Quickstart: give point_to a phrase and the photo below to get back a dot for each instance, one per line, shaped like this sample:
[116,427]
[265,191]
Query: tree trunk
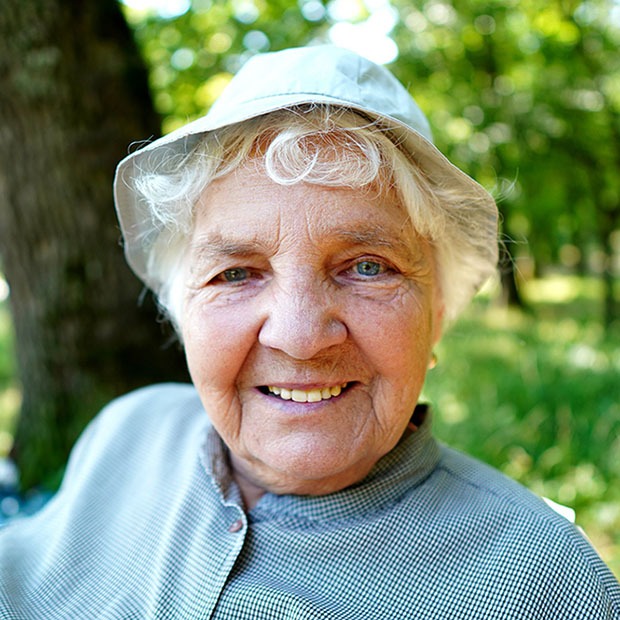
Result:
[73,94]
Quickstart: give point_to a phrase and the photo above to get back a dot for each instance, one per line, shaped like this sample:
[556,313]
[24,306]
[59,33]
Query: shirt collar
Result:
[407,465]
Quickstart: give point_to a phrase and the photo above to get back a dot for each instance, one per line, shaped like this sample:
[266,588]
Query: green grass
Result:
[535,394]
[10,395]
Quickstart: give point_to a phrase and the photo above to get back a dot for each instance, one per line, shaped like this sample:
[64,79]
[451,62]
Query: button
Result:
[236,526]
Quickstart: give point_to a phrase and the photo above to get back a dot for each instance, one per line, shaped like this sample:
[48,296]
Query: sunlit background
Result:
[363,27]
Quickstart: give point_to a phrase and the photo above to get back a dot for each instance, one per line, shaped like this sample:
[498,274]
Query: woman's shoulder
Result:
[530,533]
[485,490]
[141,427]
[154,406]
[159,398]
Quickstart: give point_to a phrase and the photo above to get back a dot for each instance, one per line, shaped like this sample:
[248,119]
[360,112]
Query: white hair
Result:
[325,146]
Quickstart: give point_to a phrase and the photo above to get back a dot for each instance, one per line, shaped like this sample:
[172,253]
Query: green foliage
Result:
[193,56]
[526,97]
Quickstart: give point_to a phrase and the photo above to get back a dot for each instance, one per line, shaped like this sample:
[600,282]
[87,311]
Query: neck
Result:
[250,492]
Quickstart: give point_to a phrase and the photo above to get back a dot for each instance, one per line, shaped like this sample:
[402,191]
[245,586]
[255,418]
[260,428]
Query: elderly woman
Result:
[309,243]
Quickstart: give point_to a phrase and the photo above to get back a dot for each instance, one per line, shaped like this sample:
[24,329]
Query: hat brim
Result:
[134,216]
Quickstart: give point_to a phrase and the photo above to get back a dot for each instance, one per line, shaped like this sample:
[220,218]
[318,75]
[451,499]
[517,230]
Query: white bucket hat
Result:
[322,74]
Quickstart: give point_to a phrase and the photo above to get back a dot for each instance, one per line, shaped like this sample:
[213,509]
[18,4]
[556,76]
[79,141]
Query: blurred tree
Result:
[592,104]
[527,97]
[73,94]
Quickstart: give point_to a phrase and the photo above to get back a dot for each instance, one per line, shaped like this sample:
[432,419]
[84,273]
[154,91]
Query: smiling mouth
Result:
[305,396]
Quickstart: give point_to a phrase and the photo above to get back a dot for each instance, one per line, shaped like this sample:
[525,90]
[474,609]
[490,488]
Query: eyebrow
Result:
[215,246]
[374,236]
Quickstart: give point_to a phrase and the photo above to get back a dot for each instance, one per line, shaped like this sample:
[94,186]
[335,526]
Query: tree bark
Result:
[73,94]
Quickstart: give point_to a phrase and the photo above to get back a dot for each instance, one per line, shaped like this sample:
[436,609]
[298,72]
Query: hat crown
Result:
[321,73]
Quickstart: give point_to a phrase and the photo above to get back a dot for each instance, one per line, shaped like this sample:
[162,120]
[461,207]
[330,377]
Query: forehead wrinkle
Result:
[375,236]
[215,246]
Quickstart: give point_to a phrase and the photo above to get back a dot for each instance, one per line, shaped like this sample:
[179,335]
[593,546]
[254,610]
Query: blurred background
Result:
[523,95]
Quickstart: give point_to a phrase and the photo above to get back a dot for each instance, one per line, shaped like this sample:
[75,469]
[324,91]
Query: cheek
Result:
[400,357]
[396,337]
[217,342]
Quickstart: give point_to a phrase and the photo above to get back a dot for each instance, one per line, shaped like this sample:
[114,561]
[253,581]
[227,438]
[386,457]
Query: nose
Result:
[302,320]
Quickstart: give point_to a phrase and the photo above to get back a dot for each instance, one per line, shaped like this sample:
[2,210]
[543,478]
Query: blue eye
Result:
[237,274]
[368,268]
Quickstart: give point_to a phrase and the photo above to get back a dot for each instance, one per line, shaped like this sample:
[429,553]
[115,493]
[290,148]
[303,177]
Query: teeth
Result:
[335,391]
[307,396]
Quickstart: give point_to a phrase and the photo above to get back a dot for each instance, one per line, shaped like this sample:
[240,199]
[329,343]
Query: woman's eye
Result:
[236,274]
[368,268]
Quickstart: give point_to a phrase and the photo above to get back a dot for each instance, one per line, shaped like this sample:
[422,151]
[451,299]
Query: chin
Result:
[318,475]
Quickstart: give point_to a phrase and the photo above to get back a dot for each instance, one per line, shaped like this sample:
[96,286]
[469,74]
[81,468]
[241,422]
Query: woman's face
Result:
[309,319]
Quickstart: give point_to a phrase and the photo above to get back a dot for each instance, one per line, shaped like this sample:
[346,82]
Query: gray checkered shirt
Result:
[148,524]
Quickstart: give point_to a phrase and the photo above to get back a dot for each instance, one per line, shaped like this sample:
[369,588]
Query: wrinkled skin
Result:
[306,288]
